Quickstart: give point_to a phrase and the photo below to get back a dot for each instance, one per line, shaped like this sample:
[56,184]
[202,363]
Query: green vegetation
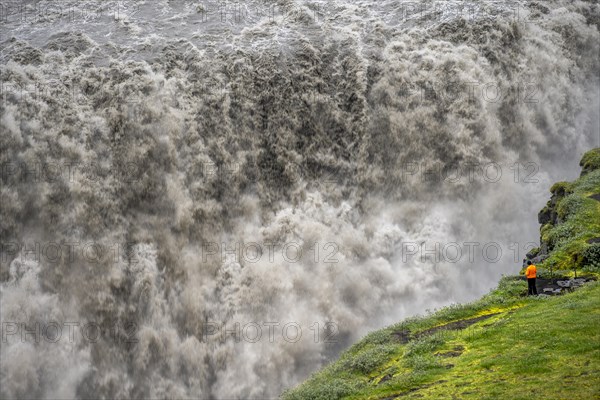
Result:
[578,220]
[502,346]
[505,345]
[560,188]
[590,161]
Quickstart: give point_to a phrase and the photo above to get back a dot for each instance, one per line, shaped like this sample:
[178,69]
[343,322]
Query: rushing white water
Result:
[182,129]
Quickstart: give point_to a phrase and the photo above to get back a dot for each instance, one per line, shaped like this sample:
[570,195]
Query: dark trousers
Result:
[532,290]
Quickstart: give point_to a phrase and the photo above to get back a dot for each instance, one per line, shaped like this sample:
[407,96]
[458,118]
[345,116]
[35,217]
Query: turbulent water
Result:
[179,177]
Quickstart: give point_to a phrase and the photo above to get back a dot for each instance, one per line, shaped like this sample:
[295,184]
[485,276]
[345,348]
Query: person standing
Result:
[531,273]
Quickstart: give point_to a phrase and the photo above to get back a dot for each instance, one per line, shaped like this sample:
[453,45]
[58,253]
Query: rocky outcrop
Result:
[590,161]
[550,217]
[549,214]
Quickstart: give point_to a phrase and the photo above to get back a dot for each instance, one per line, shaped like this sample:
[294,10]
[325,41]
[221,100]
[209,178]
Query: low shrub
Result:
[590,257]
[367,360]
[570,205]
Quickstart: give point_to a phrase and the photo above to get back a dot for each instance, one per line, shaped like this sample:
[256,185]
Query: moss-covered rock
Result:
[560,189]
[545,215]
[590,161]
[549,214]
[533,253]
[570,221]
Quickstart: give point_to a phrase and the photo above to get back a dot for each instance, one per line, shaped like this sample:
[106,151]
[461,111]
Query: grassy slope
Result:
[580,221]
[531,348]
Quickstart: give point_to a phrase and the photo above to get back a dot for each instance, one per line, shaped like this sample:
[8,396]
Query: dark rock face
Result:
[532,254]
[545,216]
[539,259]
[549,215]
[536,255]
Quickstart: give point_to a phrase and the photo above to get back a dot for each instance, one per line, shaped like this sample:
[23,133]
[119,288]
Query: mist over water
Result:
[340,138]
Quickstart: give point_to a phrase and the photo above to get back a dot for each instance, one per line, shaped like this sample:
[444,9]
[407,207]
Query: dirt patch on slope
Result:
[454,326]
[406,393]
[404,336]
[455,352]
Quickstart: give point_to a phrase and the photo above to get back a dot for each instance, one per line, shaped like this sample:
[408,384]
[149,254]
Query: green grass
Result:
[532,348]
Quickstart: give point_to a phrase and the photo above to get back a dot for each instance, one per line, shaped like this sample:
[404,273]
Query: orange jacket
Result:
[530,271]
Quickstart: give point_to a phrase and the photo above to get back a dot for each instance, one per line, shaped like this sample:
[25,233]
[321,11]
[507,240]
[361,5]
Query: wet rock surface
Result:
[560,285]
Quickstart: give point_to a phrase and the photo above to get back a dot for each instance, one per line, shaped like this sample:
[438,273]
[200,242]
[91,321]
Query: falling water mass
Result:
[211,200]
